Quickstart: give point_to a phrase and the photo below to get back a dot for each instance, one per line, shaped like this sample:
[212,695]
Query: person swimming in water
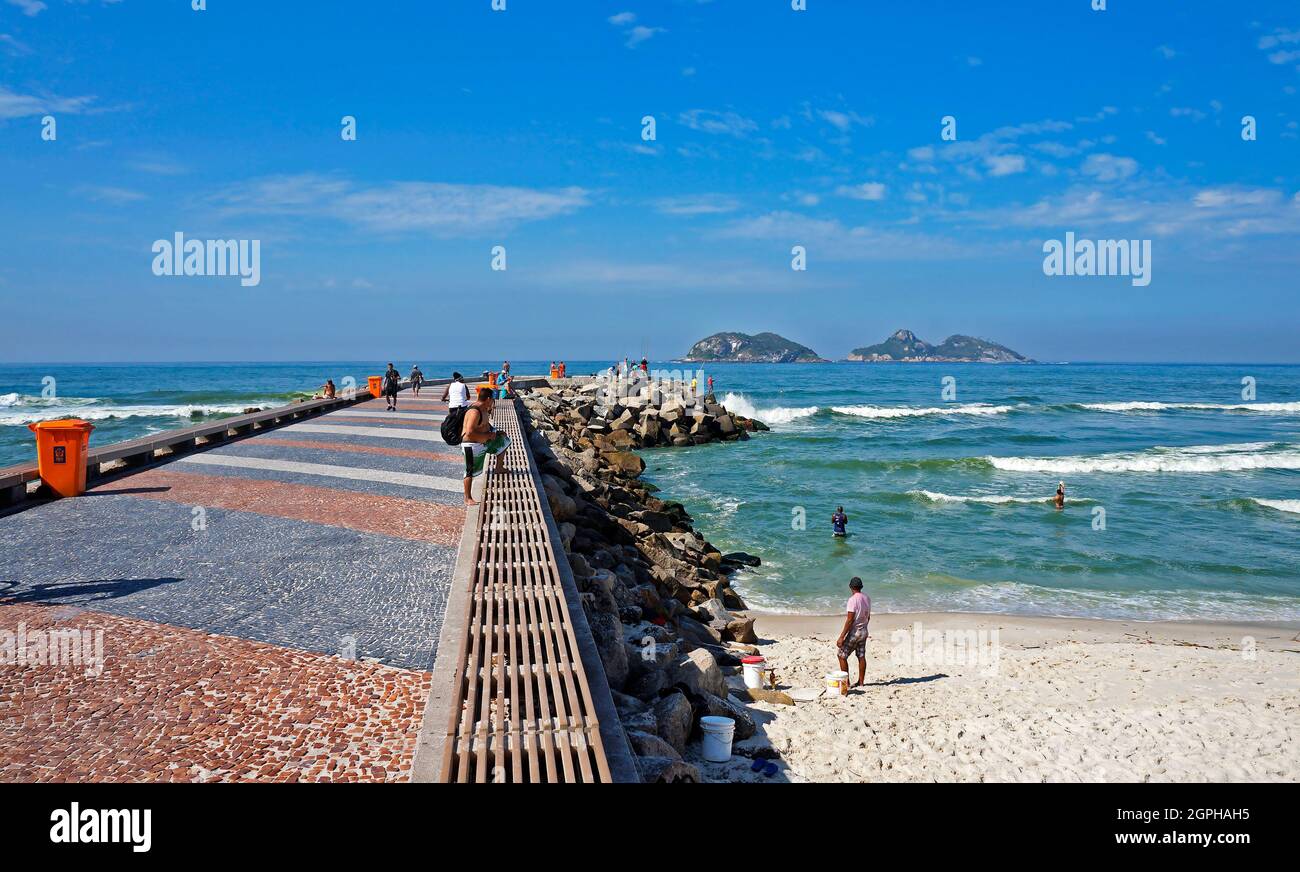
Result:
[1060,495]
[839,523]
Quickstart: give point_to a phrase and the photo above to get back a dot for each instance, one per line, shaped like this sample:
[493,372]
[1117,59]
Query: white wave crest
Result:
[911,412]
[1195,458]
[739,404]
[992,499]
[1145,406]
[1289,506]
[33,414]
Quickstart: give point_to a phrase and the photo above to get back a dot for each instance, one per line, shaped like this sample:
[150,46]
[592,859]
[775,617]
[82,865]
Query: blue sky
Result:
[523,128]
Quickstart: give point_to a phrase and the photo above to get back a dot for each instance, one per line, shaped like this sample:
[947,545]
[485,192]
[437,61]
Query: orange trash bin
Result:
[61,448]
[376,383]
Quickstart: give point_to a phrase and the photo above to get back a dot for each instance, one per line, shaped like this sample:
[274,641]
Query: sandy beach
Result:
[1045,699]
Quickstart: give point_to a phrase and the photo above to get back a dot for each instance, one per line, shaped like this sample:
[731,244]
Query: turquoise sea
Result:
[949,497]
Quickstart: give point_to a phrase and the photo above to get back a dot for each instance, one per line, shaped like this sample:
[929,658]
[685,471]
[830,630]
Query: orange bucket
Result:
[61,448]
[376,383]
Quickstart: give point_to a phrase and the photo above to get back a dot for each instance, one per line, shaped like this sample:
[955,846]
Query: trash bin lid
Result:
[62,424]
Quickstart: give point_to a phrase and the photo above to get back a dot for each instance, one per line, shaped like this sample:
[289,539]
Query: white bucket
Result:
[717,737]
[837,682]
[754,673]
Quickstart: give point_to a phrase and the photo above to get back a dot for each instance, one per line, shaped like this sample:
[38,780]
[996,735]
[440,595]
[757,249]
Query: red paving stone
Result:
[174,704]
[448,456]
[368,513]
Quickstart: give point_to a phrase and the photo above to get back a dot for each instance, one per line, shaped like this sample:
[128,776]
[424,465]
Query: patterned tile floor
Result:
[226,582]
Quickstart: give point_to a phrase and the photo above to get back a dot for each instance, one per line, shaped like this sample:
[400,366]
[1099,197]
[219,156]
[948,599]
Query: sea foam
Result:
[739,404]
[1193,458]
[912,412]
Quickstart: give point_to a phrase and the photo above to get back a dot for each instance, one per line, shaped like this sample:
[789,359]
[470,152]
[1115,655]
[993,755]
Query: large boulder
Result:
[667,770]
[700,673]
[624,463]
[675,719]
[650,745]
[607,631]
[720,706]
[741,630]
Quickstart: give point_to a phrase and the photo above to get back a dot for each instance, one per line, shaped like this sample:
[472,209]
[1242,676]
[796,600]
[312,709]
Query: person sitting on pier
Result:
[391,385]
[329,389]
[478,440]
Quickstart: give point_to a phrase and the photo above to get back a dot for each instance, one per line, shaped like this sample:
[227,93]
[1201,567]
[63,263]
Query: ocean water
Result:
[125,401]
[949,500]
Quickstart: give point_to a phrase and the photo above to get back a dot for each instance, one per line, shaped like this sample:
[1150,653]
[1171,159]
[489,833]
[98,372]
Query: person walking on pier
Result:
[417,379]
[392,383]
[478,440]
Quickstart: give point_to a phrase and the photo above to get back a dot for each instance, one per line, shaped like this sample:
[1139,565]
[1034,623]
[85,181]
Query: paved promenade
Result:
[226,583]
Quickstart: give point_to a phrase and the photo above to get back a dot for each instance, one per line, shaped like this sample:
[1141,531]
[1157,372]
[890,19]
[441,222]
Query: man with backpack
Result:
[471,428]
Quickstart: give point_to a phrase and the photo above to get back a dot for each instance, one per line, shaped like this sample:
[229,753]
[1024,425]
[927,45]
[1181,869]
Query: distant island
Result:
[905,347]
[743,348]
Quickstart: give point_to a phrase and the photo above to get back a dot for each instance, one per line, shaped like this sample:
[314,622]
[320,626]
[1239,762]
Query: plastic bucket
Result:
[837,682]
[753,667]
[717,737]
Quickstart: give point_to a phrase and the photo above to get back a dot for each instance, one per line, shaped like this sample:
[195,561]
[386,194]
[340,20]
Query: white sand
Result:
[1066,700]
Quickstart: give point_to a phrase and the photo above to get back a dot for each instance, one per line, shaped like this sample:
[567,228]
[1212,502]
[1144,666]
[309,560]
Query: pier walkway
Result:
[225,581]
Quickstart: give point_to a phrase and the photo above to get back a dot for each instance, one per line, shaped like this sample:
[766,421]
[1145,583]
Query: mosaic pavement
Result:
[226,583]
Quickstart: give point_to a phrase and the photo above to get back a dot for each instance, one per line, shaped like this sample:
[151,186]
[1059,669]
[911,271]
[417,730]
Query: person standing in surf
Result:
[1060,495]
[839,523]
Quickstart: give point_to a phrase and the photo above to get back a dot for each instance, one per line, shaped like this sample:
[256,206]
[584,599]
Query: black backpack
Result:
[454,425]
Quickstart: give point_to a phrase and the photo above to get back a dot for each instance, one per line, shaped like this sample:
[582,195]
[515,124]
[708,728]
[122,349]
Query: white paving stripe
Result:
[411,479]
[388,416]
[429,435]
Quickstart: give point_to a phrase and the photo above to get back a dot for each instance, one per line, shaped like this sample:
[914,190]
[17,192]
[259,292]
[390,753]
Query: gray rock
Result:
[699,673]
[666,770]
[650,745]
[720,706]
[675,719]
[608,634]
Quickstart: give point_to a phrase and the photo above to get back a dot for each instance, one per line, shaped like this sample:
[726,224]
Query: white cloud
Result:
[1279,37]
[13,46]
[833,241]
[438,208]
[1109,167]
[641,33]
[1187,112]
[1166,52]
[697,204]
[622,18]
[30,8]
[709,121]
[866,191]
[15,105]
[1156,138]
[843,121]
[1004,164]
[110,194]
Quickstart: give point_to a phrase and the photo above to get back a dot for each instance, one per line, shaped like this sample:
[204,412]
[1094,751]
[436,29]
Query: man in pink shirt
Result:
[853,638]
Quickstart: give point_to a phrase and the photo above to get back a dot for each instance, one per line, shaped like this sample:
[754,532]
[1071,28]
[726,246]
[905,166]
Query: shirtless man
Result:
[478,440]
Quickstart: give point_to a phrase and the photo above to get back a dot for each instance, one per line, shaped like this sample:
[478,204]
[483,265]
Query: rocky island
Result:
[743,348]
[905,347]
